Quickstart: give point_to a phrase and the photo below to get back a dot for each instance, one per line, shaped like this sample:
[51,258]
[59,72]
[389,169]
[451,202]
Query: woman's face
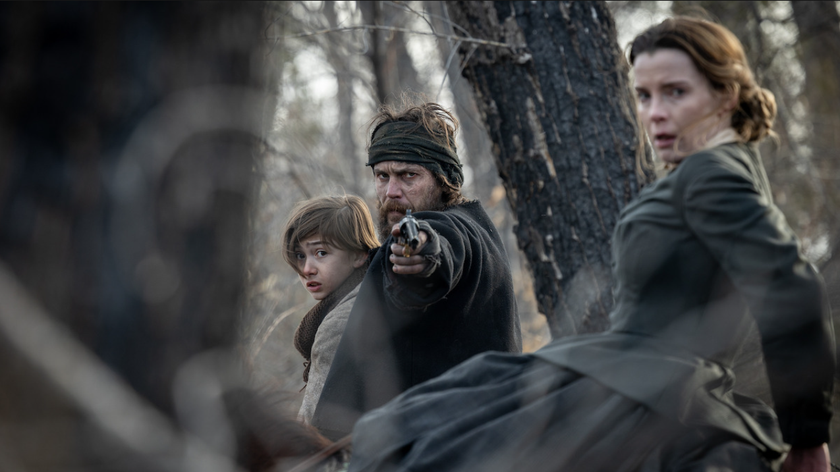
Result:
[678,107]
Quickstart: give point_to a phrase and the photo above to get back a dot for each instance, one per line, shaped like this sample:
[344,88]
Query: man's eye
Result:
[410,174]
[382,176]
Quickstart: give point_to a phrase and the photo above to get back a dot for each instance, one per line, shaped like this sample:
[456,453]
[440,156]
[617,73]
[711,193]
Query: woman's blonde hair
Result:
[342,222]
[719,56]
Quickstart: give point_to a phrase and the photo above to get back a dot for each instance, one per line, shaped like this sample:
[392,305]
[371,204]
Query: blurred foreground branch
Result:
[93,389]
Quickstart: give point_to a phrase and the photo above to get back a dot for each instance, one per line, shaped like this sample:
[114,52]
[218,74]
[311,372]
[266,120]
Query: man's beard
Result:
[432,204]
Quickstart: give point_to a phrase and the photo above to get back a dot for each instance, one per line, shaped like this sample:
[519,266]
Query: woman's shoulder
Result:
[726,158]
[736,163]
[719,176]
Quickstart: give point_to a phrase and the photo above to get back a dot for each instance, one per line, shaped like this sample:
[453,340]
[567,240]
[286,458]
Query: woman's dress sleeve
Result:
[727,205]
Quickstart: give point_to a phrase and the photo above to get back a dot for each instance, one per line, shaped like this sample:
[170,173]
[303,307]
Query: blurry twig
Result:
[403,30]
[454,49]
[92,388]
[275,20]
[466,60]
[323,455]
[446,69]
[448,21]
[296,177]
[271,328]
[405,6]
[291,172]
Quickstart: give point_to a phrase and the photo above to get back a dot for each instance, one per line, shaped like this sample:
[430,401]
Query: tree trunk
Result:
[128,131]
[819,43]
[339,60]
[392,66]
[478,150]
[559,111]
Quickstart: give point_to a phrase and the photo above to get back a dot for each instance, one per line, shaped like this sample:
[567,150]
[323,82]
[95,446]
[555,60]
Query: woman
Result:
[694,255]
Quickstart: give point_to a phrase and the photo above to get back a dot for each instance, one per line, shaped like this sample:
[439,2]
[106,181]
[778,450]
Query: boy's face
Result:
[323,268]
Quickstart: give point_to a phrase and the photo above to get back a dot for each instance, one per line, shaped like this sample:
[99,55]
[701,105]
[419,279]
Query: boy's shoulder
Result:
[349,298]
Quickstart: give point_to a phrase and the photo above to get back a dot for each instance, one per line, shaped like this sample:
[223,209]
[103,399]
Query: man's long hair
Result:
[438,123]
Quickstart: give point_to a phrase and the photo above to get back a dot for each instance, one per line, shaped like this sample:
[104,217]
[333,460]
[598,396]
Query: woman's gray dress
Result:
[694,255]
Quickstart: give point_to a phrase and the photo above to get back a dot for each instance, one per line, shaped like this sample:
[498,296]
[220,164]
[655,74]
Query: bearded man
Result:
[419,313]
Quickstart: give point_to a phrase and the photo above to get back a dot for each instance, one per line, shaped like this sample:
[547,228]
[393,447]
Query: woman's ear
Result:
[728,102]
[360,259]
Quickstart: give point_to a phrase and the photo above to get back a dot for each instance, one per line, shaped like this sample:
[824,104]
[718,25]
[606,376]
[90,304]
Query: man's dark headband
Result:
[410,142]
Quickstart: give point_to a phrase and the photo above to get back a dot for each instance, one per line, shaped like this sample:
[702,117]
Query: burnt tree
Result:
[561,118]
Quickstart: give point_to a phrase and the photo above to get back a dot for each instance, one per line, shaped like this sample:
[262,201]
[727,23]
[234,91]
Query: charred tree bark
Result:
[477,152]
[559,111]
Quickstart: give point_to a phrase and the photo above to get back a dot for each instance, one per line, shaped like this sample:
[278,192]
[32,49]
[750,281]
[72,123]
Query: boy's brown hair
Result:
[342,222]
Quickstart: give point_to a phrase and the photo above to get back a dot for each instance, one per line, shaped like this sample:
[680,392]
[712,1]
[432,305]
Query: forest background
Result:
[152,153]
[333,73]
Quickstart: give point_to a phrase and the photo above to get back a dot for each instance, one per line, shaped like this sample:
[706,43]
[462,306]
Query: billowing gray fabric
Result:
[505,413]
[695,255]
[323,351]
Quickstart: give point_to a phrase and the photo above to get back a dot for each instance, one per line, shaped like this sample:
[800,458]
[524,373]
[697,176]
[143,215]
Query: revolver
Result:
[409,236]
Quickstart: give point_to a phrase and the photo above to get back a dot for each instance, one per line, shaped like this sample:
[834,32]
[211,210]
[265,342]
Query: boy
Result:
[326,241]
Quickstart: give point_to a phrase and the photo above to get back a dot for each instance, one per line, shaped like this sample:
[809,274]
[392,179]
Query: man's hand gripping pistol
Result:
[409,236]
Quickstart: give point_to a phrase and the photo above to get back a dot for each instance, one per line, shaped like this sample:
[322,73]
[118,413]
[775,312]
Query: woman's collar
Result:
[724,136]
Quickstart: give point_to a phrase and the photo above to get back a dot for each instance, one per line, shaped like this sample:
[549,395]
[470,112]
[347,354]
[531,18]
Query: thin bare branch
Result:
[453,50]
[449,22]
[271,328]
[446,69]
[321,456]
[466,60]
[404,30]
[93,389]
[405,6]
